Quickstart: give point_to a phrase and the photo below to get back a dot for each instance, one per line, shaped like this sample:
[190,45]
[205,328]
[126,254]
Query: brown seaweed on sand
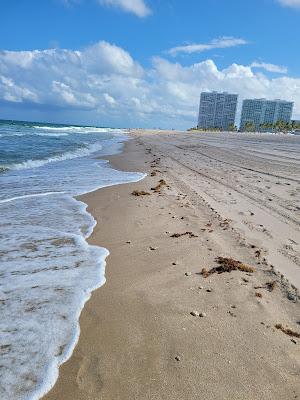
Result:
[270,286]
[160,185]
[140,193]
[287,331]
[155,172]
[227,265]
[177,235]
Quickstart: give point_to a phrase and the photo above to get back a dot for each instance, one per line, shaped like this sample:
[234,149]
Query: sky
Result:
[143,63]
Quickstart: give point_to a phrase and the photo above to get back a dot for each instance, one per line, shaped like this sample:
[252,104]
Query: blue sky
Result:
[143,62]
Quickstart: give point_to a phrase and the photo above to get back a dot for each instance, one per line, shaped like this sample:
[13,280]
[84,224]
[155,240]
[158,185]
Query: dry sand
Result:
[239,196]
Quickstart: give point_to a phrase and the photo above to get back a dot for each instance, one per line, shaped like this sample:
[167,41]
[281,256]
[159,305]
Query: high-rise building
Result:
[261,111]
[217,110]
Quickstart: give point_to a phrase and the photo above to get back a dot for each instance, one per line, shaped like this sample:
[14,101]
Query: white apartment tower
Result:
[262,111]
[217,110]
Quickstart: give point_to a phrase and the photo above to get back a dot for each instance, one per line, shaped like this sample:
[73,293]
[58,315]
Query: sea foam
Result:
[48,270]
[81,152]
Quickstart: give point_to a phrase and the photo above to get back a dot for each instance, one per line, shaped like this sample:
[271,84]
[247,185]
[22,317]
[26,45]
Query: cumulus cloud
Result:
[290,3]
[103,57]
[270,67]
[220,43]
[66,78]
[104,83]
[137,7]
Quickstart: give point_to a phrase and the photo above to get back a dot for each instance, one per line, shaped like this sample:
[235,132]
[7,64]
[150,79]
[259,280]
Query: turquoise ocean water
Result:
[47,268]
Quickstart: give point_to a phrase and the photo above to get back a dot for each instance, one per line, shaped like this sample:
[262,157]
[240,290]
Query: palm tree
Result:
[281,126]
[276,126]
[263,126]
[294,125]
[231,127]
[249,126]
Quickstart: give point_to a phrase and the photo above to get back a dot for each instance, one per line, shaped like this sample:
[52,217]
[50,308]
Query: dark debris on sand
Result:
[287,331]
[227,265]
[140,193]
[177,235]
[160,185]
[270,286]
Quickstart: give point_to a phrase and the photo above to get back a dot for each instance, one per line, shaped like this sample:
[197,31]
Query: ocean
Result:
[47,268]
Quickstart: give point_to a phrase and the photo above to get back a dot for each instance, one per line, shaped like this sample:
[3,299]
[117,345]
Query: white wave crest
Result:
[82,152]
[80,129]
[51,134]
[14,134]
[26,196]
[35,134]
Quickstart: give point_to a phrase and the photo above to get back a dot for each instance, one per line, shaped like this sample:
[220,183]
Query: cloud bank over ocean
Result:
[103,82]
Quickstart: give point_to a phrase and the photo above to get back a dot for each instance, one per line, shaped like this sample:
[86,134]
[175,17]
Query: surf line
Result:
[29,195]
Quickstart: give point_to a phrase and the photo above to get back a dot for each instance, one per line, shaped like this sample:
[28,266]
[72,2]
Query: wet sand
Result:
[231,196]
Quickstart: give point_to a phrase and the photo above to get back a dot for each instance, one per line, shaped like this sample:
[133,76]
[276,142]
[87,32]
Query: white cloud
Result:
[104,84]
[69,3]
[270,67]
[137,7]
[104,57]
[16,93]
[290,3]
[220,43]
[109,99]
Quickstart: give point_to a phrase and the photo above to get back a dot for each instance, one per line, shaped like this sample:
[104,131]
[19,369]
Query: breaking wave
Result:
[82,152]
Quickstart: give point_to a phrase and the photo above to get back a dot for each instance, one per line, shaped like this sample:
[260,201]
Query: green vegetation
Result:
[231,128]
[249,127]
[279,126]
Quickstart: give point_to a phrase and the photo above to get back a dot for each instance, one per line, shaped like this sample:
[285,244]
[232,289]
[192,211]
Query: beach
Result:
[171,322]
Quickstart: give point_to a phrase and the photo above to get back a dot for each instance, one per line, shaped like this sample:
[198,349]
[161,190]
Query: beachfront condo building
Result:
[256,112]
[217,110]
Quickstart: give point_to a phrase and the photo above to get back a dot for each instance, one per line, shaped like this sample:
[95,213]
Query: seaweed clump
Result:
[177,235]
[270,286]
[287,331]
[160,185]
[140,193]
[227,265]
[155,172]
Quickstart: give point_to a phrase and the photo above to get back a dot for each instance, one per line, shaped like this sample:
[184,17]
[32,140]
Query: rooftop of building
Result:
[274,100]
[215,92]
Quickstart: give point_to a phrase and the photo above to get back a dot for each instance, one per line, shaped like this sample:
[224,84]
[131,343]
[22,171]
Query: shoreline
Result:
[135,326]
[45,387]
[43,295]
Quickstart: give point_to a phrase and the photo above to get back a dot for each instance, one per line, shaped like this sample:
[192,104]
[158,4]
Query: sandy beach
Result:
[169,323]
